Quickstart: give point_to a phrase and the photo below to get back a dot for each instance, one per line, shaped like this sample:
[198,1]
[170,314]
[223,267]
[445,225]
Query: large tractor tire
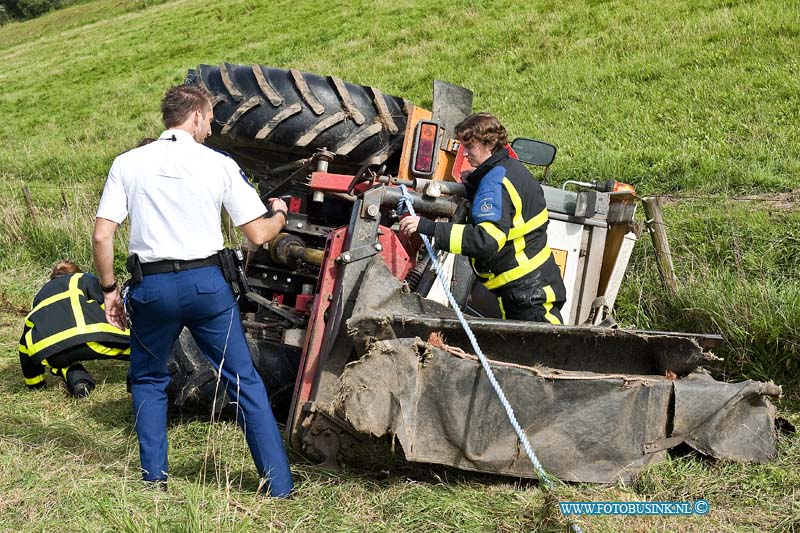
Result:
[267,116]
[195,390]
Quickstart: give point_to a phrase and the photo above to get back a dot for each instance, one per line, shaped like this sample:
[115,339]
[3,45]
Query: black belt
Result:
[175,265]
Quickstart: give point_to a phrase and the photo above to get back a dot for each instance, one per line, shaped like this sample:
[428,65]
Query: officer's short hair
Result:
[64,268]
[182,100]
[483,128]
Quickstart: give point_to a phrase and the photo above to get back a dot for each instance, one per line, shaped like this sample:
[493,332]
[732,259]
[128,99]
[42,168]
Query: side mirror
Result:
[534,152]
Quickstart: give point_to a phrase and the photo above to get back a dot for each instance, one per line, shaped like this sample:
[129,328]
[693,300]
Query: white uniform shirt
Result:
[173,192]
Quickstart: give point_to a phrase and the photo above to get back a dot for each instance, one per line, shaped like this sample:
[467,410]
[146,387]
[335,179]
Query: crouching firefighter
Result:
[506,232]
[66,325]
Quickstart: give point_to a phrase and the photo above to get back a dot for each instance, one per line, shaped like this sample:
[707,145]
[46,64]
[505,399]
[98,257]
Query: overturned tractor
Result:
[358,347]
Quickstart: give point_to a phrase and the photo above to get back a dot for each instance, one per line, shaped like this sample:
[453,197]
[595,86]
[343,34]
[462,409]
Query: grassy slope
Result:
[684,97]
[667,95]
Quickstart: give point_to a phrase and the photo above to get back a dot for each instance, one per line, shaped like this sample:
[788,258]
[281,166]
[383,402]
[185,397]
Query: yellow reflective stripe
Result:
[549,294]
[22,349]
[456,237]
[549,316]
[479,274]
[34,381]
[73,332]
[534,223]
[105,350]
[516,201]
[71,290]
[502,309]
[75,300]
[525,266]
[548,305]
[47,301]
[519,250]
[495,233]
[29,340]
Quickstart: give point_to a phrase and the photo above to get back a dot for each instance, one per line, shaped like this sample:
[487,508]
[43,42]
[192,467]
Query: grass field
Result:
[694,100]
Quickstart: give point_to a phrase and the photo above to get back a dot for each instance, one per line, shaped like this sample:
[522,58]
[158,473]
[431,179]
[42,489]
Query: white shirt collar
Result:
[178,134]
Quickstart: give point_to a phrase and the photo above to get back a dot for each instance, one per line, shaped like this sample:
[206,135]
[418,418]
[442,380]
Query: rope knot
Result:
[406,203]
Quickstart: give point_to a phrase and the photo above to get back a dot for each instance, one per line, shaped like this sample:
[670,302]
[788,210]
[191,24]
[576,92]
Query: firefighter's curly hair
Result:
[64,268]
[483,128]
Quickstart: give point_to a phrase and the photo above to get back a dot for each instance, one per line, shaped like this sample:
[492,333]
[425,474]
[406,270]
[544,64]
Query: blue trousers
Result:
[201,300]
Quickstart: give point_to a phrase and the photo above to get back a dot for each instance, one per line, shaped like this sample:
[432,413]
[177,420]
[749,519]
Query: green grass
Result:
[667,96]
[738,273]
[69,465]
[690,98]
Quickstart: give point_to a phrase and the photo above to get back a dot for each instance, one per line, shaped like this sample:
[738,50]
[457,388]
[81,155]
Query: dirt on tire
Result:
[268,114]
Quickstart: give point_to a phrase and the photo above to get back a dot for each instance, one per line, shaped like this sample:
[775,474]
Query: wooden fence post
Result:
[655,225]
[29,201]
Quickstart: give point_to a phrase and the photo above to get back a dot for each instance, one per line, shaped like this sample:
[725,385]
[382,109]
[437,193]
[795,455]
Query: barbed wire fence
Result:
[26,192]
[715,238]
[86,192]
[722,247]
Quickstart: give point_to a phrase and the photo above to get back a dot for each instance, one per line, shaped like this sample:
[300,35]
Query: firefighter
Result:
[66,325]
[506,232]
[173,189]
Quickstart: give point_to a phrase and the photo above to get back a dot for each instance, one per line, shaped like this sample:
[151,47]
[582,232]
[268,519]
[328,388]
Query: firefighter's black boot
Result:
[79,382]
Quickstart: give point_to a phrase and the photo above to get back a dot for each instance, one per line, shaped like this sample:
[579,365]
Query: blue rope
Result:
[526,445]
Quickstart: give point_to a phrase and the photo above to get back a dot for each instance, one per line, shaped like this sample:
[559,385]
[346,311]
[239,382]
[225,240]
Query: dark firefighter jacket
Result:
[506,233]
[67,311]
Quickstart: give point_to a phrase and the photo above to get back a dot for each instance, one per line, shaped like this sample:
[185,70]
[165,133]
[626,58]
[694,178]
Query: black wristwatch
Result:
[283,212]
[110,288]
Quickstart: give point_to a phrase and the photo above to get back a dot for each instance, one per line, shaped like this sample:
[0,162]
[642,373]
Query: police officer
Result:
[66,325]
[173,190]
[506,232]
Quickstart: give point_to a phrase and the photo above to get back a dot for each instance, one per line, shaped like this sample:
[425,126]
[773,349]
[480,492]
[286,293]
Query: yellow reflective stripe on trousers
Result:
[58,372]
[548,305]
[495,233]
[34,381]
[532,224]
[29,341]
[526,266]
[456,237]
[72,332]
[105,350]
[516,201]
[75,300]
